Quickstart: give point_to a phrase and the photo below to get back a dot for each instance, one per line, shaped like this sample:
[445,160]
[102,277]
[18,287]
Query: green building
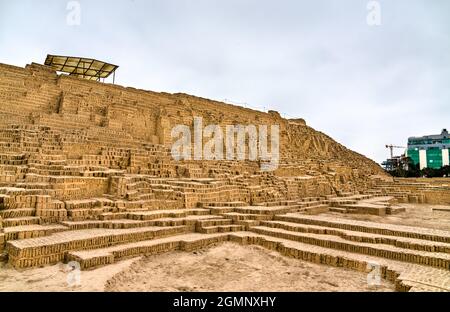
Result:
[430,151]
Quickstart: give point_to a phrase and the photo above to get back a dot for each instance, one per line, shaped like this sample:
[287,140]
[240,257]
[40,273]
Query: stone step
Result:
[247,223]
[112,215]
[214,221]
[310,199]
[17,213]
[32,231]
[339,209]
[187,242]
[279,203]
[442,209]
[407,243]
[190,221]
[435,259]
[83,214]
[52,249]
[313,203]
[272,210]
[220,228]
[317,209]
[21,221]
[341,201]
[364,208]
[158,214]
[235,216]
[345,194]
[395,210]
[221,210]
[224,204]
[91,203]
[2,243]
[382,200]
[405,276]
[369,227]
[31,185]
[373,192]
[105,224]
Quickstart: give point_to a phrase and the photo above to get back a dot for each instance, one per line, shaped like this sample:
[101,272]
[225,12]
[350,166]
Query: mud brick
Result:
[59,243]
[2,241]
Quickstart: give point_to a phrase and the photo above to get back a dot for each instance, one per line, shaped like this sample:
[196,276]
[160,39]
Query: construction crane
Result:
[391,147]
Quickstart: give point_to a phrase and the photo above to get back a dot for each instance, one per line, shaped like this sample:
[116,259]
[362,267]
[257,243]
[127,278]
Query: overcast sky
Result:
[363,85]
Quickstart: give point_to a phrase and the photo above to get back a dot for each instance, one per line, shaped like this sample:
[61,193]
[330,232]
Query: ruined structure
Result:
[86,174]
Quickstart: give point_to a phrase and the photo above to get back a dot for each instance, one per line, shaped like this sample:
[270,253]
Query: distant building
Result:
[396,162]
[430,151]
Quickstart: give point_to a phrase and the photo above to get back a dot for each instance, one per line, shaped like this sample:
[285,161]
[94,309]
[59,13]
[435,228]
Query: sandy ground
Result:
[232,267]
[225,267]
[55,278]
[415,215]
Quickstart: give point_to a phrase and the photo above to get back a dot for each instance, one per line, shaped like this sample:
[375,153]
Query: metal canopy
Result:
[81,67]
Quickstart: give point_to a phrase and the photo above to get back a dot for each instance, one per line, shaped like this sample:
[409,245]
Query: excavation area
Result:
[222,267]
[292,251]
